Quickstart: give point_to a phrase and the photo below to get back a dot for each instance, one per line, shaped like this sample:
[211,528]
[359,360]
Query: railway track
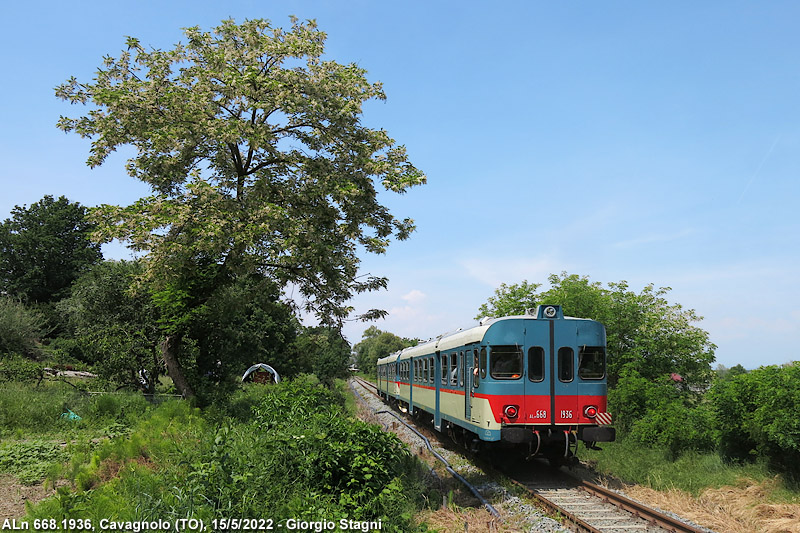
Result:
[585,506]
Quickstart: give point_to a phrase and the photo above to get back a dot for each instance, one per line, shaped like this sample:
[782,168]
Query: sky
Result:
[656,143]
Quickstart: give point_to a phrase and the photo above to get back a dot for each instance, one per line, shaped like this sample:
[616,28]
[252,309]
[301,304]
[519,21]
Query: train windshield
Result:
[505,362]
[592,362]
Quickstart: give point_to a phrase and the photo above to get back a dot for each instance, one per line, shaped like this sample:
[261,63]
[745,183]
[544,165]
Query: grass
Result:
[259,454]
[27,411]
[692,472]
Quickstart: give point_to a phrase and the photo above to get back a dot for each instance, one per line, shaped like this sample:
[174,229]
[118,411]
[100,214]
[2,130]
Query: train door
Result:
[437,380]
[565,390]
[538,382]
[470,382]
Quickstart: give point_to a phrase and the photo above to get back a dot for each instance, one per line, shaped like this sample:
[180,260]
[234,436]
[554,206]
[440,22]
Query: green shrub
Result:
[20,327]
[297,456]
[659,413]
[16,368]
[757,416]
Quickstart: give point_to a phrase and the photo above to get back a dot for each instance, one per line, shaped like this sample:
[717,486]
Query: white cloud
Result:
[415,297]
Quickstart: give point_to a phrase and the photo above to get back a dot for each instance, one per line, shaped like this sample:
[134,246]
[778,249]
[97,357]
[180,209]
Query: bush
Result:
[757,416]
[20,328]
[14,368]
[658,413]
[297,456]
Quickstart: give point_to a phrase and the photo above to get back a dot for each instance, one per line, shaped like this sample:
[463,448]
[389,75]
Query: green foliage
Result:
[111,325]
[655,467]
[644,331]
[240,324]
[376,344]
[321,350]
[31,461]
[14,368]
[21,328]
[259,164]
[43,249]
[37,410]
[288,186]
[509,300]
[757,413]
[296,456]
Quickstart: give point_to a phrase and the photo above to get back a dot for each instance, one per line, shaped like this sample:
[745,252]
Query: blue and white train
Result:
[537,380]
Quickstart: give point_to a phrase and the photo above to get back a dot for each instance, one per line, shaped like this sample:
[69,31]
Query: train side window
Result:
[432,371]
[454,369]
[461,369]
[592,362]
[444,369]
[536,363]
[506,362]
[566,371]
[475,367]
[483,363]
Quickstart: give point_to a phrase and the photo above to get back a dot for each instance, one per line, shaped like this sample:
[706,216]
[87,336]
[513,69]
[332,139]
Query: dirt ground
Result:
[13,496]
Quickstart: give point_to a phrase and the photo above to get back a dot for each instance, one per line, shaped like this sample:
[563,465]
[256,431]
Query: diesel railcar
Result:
[536,381]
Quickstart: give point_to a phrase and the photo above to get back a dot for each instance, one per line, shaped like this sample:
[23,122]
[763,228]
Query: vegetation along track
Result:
[585,506]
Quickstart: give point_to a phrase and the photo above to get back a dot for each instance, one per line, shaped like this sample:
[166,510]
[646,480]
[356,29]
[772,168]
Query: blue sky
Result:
[619,140]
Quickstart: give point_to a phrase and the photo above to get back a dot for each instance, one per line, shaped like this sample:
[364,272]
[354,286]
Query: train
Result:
[535,382]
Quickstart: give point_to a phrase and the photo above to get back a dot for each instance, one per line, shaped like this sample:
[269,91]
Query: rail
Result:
[444,461]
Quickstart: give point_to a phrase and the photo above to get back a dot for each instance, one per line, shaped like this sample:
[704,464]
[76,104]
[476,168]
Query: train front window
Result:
[536,363]
[566,365]
[592,362]
[505,362]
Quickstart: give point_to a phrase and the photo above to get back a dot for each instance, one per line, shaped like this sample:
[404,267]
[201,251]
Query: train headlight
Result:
[590,411]
[550,311]
[511,411]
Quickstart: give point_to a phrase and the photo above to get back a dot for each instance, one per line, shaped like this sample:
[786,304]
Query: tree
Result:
[644,331]
[258,163]
[376,344]
[510,300]
[44,248]
[21,328]
[112,326]
[324,350]
[756,415]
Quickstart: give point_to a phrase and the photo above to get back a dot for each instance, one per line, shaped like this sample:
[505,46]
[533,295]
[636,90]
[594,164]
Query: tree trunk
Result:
[169,351]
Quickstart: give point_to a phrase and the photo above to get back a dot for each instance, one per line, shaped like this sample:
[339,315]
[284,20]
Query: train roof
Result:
[462,337]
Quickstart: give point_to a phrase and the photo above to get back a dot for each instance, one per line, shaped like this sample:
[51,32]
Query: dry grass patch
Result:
[738,509]
[447,520]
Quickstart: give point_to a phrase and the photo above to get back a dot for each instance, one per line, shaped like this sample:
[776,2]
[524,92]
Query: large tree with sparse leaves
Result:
[258,162]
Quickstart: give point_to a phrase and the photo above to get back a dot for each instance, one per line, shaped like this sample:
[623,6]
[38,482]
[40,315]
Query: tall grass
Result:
[284,451]
[692,472]
[26,410]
